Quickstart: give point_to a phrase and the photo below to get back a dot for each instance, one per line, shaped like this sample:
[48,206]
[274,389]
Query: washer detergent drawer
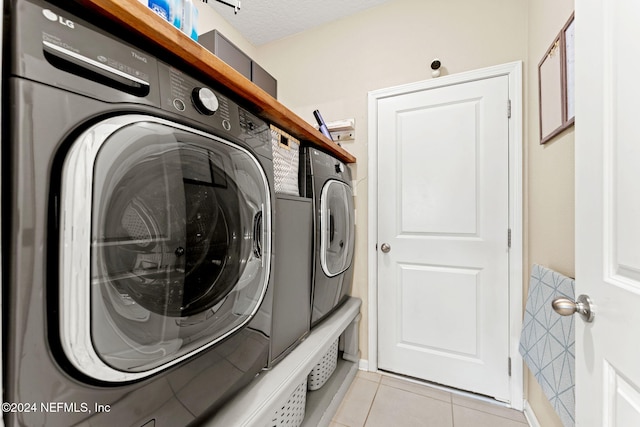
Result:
[165,236]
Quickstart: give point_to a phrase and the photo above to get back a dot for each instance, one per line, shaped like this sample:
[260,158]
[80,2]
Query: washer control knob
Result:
[205,100]
[339,168]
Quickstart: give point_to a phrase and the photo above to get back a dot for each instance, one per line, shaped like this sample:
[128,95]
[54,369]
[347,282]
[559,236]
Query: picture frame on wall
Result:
[556,84]
[568,37]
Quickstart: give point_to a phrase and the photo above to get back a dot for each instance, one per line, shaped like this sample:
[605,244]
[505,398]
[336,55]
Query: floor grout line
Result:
[418,394]
[492,413]
[453,419]
[371,405]
[524,422]
[478,399]
[479,406]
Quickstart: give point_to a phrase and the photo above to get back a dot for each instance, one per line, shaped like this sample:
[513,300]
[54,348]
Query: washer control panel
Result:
[186,96]
[182,94]
[205,100]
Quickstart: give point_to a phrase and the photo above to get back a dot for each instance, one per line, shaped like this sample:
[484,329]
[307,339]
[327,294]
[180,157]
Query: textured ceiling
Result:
[263,21]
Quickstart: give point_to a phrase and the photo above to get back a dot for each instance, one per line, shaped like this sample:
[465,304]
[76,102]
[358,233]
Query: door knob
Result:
[566,307]
[385,247]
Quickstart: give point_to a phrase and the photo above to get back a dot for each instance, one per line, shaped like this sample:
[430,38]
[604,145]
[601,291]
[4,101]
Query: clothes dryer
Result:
[328,182]
[137,230]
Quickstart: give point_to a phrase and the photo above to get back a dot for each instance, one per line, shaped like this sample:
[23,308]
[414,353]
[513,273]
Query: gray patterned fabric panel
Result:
[547,342]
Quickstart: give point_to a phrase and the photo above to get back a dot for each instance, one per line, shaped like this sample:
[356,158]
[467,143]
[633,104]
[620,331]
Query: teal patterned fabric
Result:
[547,343]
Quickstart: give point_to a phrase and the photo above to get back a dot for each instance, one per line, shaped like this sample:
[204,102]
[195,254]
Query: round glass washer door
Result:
[165,245]
[337,227]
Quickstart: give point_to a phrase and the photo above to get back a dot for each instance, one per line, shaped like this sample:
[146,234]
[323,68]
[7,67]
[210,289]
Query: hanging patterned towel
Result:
[547,342]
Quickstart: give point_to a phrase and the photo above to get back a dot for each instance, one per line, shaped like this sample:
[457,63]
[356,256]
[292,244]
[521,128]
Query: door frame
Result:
[514,72]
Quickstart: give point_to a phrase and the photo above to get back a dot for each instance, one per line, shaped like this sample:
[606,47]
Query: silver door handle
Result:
[385,247]
[566,307]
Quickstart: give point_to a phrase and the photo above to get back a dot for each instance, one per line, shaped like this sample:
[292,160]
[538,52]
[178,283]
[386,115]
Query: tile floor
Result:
[376,400]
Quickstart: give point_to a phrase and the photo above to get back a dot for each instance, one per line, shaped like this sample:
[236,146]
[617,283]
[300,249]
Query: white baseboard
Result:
[363,365]
[530,415]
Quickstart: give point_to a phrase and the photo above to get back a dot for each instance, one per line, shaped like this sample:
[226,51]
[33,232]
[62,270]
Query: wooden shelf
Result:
[137,19]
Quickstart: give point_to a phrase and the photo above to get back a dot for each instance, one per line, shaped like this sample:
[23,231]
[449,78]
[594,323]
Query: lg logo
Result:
[53,17]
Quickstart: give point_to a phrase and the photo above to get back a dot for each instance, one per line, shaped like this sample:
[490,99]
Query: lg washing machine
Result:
[137,229]
[328,182]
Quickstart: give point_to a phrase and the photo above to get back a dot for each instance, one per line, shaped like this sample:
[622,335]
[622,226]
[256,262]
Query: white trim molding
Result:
[1,248]
[532,420]
[514,71]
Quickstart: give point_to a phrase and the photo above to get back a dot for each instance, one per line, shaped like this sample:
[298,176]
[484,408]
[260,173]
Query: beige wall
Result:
[334,66]
[550,190]
[549,182]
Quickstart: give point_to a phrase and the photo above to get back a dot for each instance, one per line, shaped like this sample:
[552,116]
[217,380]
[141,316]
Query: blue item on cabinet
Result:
[162,8]
[194,22]
[190,19]
[177,11]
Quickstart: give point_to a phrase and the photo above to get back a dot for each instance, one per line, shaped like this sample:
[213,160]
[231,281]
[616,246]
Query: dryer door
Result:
[165,245]
[337,227]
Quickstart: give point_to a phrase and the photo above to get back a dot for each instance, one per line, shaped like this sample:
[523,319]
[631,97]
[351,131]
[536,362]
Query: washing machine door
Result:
[164,245]
[337,227]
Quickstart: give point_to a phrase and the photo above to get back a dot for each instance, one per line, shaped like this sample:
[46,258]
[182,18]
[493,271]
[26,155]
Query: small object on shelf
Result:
[222,47]
[162,8]
[182,14]
[177,12]
[190,19]
[342,130]
[322,126]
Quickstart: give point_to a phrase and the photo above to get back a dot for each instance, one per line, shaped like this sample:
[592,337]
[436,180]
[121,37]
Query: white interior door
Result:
[443,216]
[608,211]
